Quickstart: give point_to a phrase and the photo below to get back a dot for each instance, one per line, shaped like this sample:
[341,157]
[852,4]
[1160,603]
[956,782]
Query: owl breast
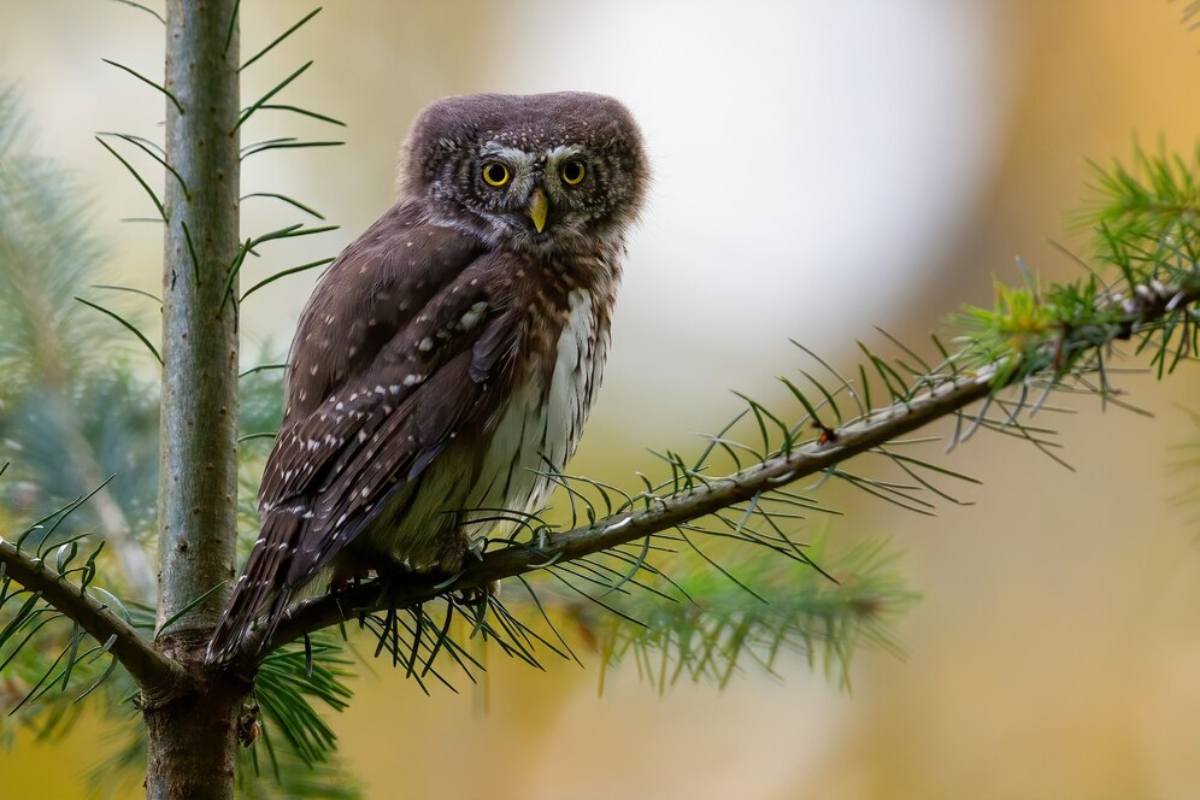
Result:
[540,427]
[533,434]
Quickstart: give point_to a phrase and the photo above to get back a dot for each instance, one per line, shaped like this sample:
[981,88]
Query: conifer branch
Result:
[1061,348]
[631,526]
[157,675]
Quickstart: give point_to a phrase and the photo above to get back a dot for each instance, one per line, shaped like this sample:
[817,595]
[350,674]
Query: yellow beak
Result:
[538,206]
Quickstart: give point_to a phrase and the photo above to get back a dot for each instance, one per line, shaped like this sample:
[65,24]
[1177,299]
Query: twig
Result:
[158,676]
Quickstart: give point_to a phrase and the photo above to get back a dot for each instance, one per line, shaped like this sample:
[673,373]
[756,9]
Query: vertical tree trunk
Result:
[192,741]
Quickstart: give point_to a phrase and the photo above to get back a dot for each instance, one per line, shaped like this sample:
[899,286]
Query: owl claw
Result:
[477,594]
[346,577]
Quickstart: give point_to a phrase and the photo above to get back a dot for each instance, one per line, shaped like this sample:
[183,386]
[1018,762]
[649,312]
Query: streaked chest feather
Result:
[540,426]
[534,433]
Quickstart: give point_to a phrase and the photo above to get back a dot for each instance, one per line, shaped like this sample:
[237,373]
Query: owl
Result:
[448,358]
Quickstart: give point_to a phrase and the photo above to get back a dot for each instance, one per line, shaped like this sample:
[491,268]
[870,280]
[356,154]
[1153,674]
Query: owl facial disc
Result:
[548,174]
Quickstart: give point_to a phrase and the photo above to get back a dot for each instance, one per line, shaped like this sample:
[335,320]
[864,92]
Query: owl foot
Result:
[454,552]
[477,595]
[443,566]
[346,576]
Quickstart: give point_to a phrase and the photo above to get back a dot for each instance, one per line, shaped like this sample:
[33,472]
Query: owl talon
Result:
[346,577]
[477,594]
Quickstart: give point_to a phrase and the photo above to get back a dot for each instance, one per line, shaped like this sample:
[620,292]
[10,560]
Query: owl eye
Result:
[573,172]
[495,174]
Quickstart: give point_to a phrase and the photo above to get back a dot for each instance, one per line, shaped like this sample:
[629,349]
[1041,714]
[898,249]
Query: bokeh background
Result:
[819,168]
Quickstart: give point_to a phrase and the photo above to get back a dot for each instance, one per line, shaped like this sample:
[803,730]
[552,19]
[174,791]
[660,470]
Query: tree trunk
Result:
[192,738]
[193,745]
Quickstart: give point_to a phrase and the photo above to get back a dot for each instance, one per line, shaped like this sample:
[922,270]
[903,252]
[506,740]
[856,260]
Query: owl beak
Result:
[538,206]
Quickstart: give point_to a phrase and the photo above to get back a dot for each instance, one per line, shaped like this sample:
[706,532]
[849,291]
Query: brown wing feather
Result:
[379,284]
[454,398]
[391,359]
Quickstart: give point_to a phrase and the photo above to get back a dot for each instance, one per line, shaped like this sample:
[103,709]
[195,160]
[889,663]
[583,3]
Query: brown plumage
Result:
[452,351]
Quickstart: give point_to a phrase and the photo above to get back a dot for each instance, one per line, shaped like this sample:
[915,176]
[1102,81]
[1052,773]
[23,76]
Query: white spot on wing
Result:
[474,314]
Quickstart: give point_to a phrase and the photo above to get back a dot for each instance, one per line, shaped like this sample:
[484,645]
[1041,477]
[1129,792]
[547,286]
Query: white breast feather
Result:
[538,425]
[530,428]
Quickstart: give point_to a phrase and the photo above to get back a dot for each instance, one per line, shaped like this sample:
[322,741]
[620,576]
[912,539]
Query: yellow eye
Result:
[495,173]
[573,173]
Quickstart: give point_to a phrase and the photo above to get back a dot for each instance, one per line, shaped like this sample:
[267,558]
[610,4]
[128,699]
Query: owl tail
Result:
[262,585]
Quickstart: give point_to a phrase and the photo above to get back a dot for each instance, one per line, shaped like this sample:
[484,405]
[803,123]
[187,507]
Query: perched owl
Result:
[451,353]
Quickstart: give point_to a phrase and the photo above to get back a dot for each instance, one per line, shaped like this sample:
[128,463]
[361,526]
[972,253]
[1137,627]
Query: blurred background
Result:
[820,168]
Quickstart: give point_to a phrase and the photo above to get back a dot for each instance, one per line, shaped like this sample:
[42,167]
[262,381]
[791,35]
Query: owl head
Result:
[535,172]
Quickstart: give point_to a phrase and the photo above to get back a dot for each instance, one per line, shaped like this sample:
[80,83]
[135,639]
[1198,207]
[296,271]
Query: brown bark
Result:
[193,736]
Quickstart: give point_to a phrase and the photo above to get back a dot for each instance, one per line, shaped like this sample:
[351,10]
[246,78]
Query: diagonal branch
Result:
[157,675]
[1150,304]
[630,526]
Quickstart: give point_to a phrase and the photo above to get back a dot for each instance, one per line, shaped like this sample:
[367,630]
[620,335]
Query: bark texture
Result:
[192,737]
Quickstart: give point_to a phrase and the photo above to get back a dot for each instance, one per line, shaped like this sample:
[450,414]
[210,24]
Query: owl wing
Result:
[401,347]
